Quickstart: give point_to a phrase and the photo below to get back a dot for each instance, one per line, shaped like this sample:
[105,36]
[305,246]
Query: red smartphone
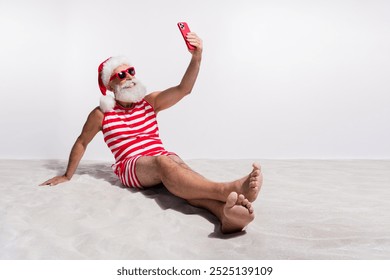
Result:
[184,29]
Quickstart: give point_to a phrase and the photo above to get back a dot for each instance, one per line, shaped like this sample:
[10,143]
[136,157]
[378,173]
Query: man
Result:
[130,130]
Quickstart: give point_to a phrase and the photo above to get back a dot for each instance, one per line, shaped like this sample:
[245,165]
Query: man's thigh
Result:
[147,171]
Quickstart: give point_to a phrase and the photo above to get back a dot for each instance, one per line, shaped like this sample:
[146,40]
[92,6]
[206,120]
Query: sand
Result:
[307,209]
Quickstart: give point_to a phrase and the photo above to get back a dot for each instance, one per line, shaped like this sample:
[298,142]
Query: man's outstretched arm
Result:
[91,127]
[169,97]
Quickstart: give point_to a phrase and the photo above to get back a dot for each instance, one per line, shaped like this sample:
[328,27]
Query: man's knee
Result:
[164,163]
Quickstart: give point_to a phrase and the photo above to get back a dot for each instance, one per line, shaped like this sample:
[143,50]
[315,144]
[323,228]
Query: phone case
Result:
[184,29]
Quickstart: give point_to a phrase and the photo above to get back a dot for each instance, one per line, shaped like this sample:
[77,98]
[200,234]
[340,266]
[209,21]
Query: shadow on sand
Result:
[164,199]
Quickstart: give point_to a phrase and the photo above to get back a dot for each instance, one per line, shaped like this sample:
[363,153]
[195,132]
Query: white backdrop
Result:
[279,78]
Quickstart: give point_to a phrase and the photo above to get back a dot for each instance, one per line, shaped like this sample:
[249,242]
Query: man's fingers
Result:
[52,182]
[196,43]
[192,37]
[45,183]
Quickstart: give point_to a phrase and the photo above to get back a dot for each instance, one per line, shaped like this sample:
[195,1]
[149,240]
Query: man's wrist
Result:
[197,56]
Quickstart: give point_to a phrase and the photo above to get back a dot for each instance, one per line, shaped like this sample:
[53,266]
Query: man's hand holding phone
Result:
[193,42]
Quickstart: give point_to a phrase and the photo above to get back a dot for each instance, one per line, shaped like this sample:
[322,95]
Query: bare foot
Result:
[250,185]
[238,212]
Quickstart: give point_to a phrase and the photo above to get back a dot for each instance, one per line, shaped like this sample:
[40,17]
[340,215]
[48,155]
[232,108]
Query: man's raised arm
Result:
[169,97]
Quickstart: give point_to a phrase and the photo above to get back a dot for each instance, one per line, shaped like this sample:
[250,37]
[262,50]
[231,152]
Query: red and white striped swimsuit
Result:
[131,133]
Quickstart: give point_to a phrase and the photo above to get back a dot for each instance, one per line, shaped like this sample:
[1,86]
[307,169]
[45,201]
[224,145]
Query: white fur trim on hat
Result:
[107,103]
[110,65]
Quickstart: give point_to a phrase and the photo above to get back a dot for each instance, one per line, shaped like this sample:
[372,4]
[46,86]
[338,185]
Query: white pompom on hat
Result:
[105,70]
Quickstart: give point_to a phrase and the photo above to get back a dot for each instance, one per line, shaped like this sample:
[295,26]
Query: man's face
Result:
[121,75]
[125,86]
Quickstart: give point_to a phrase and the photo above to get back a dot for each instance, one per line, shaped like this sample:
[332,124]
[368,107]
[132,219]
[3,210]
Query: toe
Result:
[246,203]
[250,208]
[231,199]
[256,166]
[240,199]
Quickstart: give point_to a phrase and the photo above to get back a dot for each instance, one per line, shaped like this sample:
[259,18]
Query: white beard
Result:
[132,91]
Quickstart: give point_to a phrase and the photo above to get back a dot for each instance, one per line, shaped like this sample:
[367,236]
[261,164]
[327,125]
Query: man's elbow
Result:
[185,90]
[81,142]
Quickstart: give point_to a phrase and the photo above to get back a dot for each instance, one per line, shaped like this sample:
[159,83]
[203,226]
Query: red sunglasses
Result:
[122,74]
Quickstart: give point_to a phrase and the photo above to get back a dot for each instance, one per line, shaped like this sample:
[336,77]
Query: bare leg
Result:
[183,182]
[234,215]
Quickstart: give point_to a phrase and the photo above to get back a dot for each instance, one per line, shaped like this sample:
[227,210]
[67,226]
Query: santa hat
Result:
[105,70]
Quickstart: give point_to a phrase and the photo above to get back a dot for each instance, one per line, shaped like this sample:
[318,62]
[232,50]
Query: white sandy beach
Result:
[307,209]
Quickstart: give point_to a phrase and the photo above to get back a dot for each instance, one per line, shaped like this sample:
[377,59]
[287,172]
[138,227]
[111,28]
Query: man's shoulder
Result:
[96,113]
[151,97]
[97,110]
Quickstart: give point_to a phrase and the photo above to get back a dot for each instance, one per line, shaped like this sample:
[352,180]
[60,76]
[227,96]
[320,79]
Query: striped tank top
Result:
[130,132]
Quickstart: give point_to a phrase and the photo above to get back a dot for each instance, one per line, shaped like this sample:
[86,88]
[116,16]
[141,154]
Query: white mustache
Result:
[131,91]
[129,84]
